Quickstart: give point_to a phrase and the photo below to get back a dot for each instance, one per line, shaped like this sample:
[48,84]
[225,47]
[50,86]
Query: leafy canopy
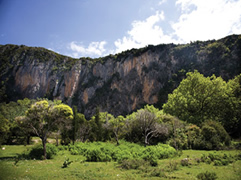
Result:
[199,98]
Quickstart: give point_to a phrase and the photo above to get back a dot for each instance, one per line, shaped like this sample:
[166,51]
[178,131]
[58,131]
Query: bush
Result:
[207,176]
[100,152]
[214,136]
[172,166]
[218,160]
[61,148]
[66,163]
[158,173]
[217,163]
[185,162]
[133,163]
[37,151]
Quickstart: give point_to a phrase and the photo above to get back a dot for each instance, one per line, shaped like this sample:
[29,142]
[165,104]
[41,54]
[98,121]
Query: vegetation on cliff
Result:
[135,77]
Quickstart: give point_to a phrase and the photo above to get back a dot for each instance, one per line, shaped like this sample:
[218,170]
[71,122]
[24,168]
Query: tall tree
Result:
[44,117]
[79,125]
[232,118]
[97,130]
[117,125]
[4,128]
[198,98]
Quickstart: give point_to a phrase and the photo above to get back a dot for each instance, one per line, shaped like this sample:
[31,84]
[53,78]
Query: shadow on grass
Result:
[8,158]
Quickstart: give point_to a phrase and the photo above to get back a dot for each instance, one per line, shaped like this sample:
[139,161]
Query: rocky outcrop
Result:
[118,83]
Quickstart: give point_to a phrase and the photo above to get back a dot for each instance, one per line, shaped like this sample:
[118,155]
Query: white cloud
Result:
[162,2]
[202,20]
[94,49]
[199,20]
[144,33]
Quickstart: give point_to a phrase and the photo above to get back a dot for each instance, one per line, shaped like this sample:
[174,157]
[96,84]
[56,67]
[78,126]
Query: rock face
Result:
[118,83]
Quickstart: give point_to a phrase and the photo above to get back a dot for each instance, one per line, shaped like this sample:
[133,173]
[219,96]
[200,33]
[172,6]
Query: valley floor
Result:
[171,168]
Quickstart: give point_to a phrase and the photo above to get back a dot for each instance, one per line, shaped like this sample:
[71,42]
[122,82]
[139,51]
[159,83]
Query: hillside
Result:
[118,83]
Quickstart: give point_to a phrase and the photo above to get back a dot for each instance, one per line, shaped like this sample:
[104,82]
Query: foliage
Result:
[207,176]
[101,152]
[214,136]
[144,125]
[4,128]
[77,130]
[37,152]
[185,162]
[66,163]
[133,164]
[232,120]
[117,126]
[44,117]
[11,132]
[219,159]
[198,99]
[172,166]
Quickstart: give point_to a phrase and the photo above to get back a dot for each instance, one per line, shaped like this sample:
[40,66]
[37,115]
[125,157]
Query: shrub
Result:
[225,162]
[214,136]
[207,176]
[133,163]
[61,148]
[66,163]
[37,151]
[157,173]
[172,166]
[185,162]
[99,152]
[217,163]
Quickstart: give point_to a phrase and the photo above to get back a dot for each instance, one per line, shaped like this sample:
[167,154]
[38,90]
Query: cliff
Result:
[118,83]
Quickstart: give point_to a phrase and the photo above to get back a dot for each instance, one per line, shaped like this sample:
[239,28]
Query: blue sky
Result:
[96,28]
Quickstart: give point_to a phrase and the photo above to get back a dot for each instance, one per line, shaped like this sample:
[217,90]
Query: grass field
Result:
[79,169]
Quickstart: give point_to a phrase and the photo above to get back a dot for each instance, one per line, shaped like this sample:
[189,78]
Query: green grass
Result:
[79,169]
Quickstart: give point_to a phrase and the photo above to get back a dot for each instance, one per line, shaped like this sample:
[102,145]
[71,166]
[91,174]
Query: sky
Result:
[96,28]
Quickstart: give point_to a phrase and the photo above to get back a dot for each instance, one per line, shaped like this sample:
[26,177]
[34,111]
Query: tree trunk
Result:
[117,141]
[28,139]
[44,148]
[146,141]
[57,140]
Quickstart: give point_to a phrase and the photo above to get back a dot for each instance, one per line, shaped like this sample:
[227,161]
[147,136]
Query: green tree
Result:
[16,133]
[117,126]
[78,123]
[97,125]
[4,128]
[232,118]
[44,117]
[198,98]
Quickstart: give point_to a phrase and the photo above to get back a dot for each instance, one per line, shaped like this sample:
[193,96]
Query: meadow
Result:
[185,165]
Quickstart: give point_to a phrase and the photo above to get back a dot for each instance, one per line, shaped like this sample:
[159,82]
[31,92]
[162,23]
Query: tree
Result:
[79,126]
[43,117]
[232,118]
[15,133]
[98,123]
[148,125]
[116,125]
[198,99]
[4,128]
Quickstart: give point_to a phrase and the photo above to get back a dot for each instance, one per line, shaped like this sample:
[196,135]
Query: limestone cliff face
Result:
[118,83]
